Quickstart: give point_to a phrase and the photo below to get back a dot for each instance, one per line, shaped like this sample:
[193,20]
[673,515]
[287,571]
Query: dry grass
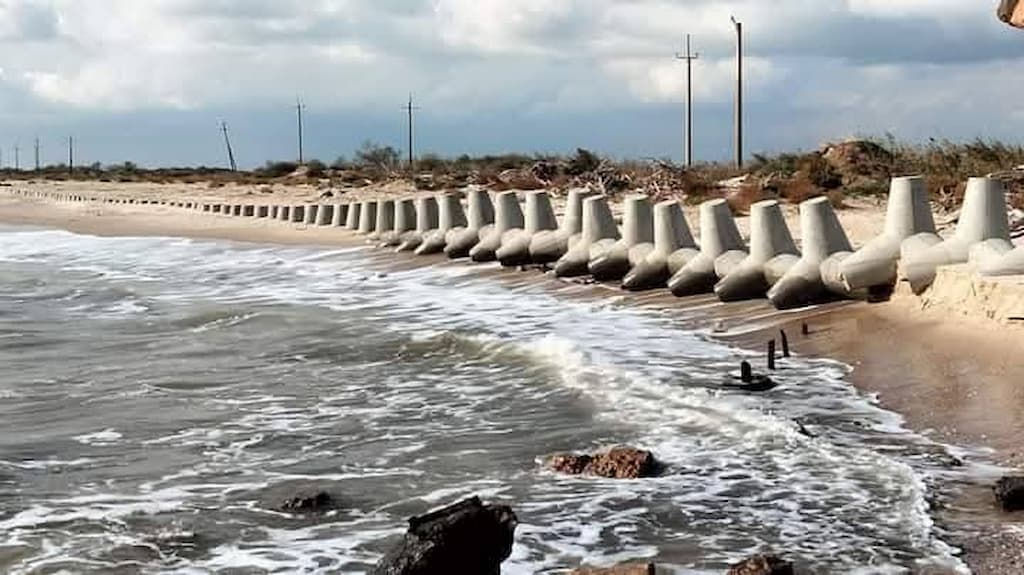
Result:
[855,168]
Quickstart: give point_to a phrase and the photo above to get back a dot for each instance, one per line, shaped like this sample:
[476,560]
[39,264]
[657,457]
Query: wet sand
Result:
[958,380]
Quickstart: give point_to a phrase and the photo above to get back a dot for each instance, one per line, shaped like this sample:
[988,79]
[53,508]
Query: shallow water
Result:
[161,397]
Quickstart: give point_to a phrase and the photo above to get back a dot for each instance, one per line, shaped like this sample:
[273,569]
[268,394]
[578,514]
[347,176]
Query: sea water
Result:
[160,398]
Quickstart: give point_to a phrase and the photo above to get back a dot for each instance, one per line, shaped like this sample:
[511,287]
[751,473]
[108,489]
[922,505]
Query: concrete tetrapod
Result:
[982,217]
[508,216]
[450,216]
[385,220]
[598,226]
[999,258]
[480,218]
[821,236]
[324,214]
[673,241]
[612,261]
[718,235]
[875,264]
[548,246]
[354,216]
[539,217]
[367,217]
[426,221]
[311,211]
[405,222]
[339,215]
[772,253]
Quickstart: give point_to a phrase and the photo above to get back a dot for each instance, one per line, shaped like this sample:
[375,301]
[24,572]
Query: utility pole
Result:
[298,109]
[17,158]
[37,154]
[71,154]
[739,93]
[689,56]
[409,109]
[227,142]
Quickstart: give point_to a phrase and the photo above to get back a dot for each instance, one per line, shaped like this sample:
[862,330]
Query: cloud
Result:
[824,64]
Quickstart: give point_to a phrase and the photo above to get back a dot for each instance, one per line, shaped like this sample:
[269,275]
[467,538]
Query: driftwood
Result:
[467,537]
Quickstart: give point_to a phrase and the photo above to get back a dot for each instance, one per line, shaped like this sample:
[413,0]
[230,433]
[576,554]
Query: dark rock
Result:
[1009,491]
[635,569]
[318,503]
[762,565]
[751,382]
[467,537]
[616,463]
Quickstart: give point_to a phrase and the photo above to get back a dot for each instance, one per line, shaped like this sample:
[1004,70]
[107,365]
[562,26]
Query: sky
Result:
[149,81]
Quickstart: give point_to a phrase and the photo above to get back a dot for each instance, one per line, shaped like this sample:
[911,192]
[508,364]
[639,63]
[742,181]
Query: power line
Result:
[409,108]
[227,142]
[739,94]
[299,107]
[689,56]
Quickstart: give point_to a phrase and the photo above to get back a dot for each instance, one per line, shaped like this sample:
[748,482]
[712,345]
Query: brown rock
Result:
[616,463]
[762,565]
[635,569]
[569,464]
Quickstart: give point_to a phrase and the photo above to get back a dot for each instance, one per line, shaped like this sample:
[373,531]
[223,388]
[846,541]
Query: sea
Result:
[160,398]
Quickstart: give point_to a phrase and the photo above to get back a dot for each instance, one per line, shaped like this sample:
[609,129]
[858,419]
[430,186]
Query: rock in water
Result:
[616,463]
[762,565]
[648,569]
[1009,492]
[318,503]
[467,537]
[568,463]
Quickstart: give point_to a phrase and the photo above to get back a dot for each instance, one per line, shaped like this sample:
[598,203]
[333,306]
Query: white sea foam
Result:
[741,475]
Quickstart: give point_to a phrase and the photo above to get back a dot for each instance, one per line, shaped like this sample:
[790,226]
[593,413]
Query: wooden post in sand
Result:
[771,355]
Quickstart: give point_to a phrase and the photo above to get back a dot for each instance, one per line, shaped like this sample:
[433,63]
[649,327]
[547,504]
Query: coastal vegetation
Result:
[857,168]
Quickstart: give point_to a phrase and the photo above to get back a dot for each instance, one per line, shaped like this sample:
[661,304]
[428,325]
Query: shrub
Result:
[278,169]
[316,169]
[373,155]
[583,162]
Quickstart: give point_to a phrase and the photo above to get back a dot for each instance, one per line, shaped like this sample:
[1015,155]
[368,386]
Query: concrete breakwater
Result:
[653,247]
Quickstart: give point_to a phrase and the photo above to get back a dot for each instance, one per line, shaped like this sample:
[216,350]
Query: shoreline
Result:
[952,381]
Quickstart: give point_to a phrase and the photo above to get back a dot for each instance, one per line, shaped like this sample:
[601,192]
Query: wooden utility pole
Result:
[299,107]
[17,158]
[409,109]
[71,154]
[739,94]
[227,142]
[37,154]
[689,56]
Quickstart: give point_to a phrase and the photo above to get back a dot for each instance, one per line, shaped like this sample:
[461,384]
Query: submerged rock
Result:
[317,503]
[467,537]
[762,565]
[634,569]
[1009,492]
[616,463]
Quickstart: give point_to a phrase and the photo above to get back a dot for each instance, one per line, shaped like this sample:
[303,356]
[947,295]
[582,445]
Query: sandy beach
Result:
[945,362]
